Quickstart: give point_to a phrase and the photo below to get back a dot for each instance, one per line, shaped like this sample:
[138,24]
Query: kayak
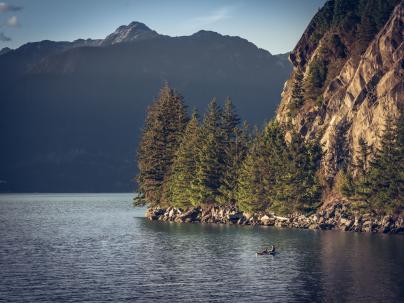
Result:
[264,253]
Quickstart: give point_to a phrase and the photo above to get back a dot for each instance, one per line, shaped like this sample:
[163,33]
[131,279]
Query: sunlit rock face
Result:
[356,101]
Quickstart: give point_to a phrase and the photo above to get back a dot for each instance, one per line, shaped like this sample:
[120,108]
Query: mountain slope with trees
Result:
[333,157]
[217,161]
[347,90]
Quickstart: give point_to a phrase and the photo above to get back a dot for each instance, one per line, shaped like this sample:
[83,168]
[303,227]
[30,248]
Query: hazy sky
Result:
[275,25]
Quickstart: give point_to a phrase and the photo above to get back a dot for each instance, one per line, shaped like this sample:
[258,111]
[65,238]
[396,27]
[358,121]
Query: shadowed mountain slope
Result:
[71,112]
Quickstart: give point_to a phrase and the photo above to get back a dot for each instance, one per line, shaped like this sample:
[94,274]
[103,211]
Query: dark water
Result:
[97,248]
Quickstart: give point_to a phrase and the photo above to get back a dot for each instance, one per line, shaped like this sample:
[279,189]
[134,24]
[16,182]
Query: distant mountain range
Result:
[71,112]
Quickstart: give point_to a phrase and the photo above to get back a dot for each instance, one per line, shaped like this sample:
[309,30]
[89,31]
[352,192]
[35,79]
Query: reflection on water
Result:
[354,262]
[97,248]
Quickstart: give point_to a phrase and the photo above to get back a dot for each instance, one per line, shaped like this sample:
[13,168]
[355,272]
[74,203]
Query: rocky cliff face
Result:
[360,90]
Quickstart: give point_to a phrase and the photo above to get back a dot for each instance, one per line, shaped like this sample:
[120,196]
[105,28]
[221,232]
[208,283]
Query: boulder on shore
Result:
[336,216]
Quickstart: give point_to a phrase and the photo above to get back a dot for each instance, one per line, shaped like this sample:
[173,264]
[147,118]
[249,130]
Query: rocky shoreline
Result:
[337,216]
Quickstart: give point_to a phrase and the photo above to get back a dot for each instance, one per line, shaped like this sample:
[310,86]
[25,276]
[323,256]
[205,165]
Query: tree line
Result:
[217,160]
[187,161]
[375,178]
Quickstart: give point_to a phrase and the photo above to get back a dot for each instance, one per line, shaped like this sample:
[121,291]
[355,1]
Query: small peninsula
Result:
[332,158]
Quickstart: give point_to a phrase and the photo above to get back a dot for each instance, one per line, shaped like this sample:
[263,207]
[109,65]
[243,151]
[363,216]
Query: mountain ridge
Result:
[71,111]
[132,32]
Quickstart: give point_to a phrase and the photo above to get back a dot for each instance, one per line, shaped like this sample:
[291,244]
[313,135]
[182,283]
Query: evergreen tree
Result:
[361,161]
[210,158]
[165,123]
[366,31]
[385,185]
[297,94]
[342,9]
[235,152]
[373,15]
[315,79]
[312,185]
[378,184]
[183,171]
[250,192]
[344,183]
[229,121]
[275,152]
[261,170]
[233,148]
[360,166]
[318,73]
[297,186]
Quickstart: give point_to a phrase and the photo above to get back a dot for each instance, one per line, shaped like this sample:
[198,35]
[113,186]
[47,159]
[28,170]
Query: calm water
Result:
[97,248]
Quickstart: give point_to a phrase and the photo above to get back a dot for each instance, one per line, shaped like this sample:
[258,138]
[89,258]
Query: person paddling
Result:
[266,251]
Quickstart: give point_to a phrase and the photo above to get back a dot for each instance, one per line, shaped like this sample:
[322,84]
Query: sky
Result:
[274,25]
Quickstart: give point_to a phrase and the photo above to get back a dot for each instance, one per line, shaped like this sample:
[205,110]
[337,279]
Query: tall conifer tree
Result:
[235,152]
[385,183]
[234,141]
[298,186]
[297,94]
[183,171]
[210,158]
[164,126]
[251,192]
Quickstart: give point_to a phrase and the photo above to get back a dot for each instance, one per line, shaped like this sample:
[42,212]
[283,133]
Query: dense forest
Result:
[219,160]
[345,29]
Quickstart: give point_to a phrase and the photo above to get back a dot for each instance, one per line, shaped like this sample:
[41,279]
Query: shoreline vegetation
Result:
[219,171]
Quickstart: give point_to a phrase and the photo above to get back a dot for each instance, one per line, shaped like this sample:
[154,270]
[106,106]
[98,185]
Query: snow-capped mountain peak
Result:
[128,33]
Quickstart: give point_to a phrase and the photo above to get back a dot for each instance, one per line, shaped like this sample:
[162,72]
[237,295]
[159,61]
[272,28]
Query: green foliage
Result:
[183,163]
[183,171]
[318,73]
[372,15]
[343,183]
[251,190]
[384,189]
[165,123]
[322,22]
[355,185]
[345,27]
[229,121]
[278,175]
[297,187]
[362,160]
[315,79]
[210,158]
[342,10]
[378,184]
[349,15]
[297,94]
[234,153]
[276,156]
[338,46]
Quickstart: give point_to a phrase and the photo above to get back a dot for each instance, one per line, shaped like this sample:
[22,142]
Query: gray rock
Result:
[324,220]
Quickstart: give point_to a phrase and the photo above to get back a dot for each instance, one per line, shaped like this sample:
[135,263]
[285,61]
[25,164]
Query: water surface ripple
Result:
[97,248]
